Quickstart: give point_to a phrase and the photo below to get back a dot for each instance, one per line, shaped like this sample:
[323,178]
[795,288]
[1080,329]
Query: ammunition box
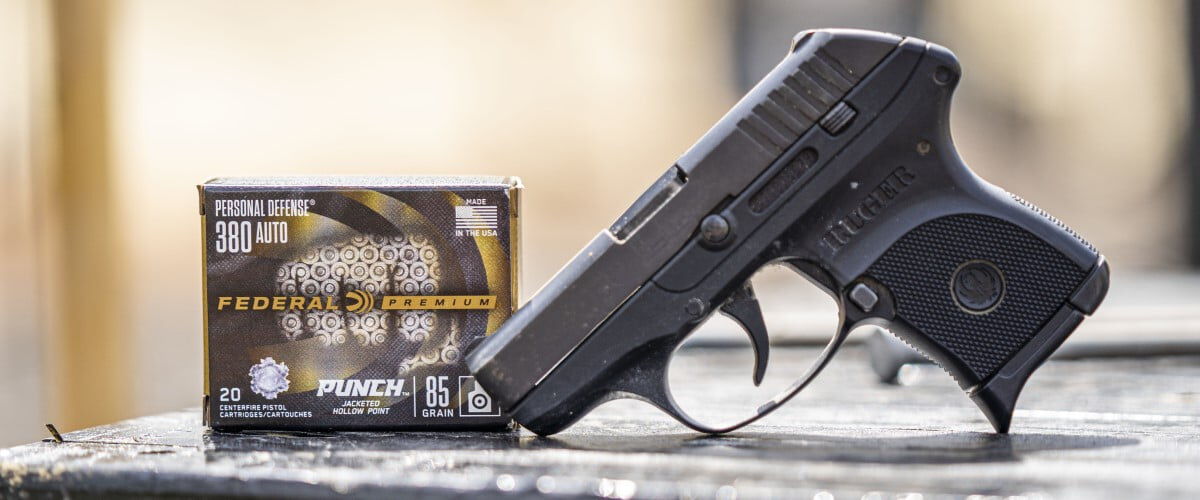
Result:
[349,303]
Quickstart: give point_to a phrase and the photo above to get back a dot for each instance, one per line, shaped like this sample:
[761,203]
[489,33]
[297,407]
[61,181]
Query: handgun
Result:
[839,164]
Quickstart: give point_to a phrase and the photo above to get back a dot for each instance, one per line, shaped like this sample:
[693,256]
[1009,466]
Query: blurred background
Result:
[112,110]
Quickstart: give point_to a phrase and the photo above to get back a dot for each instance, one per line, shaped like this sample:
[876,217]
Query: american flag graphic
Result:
[475,217]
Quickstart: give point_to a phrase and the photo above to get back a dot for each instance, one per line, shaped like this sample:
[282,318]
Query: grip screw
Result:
[695,307]
[714,229]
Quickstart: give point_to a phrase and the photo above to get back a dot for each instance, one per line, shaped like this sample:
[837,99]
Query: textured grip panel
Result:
[918,270]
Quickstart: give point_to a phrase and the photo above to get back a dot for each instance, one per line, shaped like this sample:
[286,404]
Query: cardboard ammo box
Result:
[349,303]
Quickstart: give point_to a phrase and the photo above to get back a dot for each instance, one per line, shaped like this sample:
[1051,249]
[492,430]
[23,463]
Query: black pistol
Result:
[838,164]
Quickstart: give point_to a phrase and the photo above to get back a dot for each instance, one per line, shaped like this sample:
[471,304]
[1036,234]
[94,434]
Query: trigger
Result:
[743,307]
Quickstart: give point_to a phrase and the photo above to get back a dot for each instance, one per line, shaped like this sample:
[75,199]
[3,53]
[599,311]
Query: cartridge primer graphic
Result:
[351,302]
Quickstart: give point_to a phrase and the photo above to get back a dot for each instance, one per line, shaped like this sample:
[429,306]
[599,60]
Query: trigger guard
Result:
[666,402]
[647,380]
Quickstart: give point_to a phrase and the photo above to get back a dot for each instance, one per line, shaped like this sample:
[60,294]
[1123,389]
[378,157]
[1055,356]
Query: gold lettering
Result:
[393,302]
[282,302]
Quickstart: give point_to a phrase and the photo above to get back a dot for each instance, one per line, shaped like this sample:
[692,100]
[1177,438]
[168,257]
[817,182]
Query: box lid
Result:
[367,181]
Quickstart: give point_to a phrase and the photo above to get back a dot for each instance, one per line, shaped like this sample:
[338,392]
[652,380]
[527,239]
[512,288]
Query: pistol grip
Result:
[987,300]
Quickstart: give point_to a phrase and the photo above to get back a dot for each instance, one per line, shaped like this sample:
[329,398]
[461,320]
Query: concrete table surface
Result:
[1112,428]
